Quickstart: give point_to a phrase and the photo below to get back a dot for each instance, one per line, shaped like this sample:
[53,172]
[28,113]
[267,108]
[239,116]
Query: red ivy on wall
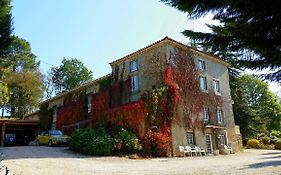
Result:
[70,113]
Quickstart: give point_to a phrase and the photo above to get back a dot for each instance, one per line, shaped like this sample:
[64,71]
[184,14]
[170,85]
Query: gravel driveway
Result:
[32,160]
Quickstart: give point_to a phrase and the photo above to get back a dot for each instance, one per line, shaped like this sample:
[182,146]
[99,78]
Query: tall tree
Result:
[4,96]
[5,25]
[249,33]
[22,78]
[255,108]
[70,74]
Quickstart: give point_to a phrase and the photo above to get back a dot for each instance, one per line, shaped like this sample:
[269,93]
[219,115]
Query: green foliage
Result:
[247,36]
[254,143]
[5,27]
[91,141]
[105,83]
[255,108]
[278,144]
[265,140]
[4,94]
[153,98]
[22,77]
[27,90]
[126,142]
[275,133]
[70,74]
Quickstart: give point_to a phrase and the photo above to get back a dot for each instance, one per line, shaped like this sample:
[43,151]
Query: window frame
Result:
[203,87]
[216,86]
[206,116]
[190,137]
[55,114]
[89,103]
[220,116]
[135,83]
[134,65]
[201,64]
[222,139]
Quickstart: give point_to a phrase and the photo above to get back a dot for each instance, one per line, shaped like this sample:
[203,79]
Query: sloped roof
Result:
[168,40]
[75,89]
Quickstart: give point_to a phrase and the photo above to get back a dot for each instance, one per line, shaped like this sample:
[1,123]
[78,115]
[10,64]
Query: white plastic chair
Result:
[181,149]
[191,150]
[198,150]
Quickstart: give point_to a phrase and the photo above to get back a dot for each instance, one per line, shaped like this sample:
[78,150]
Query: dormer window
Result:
[133,66]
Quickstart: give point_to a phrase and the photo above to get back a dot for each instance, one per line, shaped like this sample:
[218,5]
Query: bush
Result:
[91,141]
[275,133]
[254,143]
[265,140]
[157,143]
[261,135]
[278,144]
[126,142]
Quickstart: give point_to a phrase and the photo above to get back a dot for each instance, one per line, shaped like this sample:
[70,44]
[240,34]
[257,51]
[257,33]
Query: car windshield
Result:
[55,132]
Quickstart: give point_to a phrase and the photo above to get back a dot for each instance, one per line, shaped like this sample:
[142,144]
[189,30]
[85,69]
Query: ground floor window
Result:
[221,139]
[209,143]
[190,139]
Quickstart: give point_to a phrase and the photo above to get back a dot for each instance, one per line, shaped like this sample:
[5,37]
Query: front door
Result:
[209,143]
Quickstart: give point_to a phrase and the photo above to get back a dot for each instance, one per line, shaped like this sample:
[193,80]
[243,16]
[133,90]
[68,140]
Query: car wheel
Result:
[50,143]
[38,143]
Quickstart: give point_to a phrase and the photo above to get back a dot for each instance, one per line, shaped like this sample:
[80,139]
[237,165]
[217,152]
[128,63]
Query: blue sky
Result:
[98,32]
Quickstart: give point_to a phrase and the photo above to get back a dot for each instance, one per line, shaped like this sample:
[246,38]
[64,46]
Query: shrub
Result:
[91,141]
[265,140]
[254,143]
[275,133]
[126,142]
[261,135]
[278,144]
[157,143]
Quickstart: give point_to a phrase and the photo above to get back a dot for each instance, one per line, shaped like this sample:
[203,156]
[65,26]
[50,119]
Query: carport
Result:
[26,127]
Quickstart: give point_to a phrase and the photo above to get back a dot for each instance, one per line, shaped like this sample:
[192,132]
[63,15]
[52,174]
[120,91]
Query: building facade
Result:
[210,121]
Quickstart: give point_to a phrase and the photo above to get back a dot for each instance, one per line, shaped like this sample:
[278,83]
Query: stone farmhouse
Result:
[201,112]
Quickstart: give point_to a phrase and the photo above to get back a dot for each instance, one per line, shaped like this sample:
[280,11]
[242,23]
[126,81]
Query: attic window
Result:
[133,66]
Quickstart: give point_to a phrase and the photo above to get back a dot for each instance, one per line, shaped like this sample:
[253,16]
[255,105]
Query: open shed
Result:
[21,128]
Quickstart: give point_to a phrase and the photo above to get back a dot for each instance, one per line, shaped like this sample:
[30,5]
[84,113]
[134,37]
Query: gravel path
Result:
[32,160]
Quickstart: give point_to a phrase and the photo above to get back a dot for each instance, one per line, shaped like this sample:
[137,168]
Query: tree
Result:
[69,75]
[248,34]
[27,90]
[5,25]
[255,108]
[22,77]
[4,96]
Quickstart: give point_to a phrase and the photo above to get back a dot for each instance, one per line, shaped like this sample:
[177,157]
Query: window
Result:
[89,104]
[133,66]
[135,83]
[220,116]
[216,85]
[203,83]
[221,138]
[189,138]
[206,114]
[201,65]
[55,109]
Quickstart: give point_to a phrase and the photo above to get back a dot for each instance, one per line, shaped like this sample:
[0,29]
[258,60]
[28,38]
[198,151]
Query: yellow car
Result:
[52,137]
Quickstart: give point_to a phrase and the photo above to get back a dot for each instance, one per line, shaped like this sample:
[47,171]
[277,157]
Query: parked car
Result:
[52,137]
